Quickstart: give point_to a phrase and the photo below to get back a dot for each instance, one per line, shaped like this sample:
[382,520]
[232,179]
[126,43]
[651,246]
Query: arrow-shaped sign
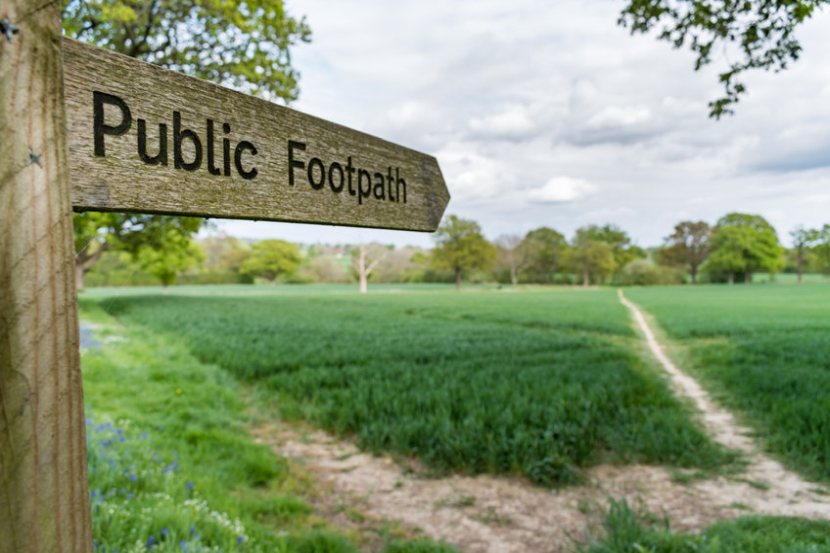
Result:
[145,139]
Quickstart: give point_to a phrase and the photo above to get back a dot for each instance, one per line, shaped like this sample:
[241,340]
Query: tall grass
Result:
[540,384]
[766,351]
[628,531]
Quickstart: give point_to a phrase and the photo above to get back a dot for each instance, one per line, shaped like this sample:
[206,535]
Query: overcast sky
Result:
[548,113]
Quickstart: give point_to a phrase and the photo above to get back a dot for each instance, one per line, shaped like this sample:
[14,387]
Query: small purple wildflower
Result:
[151,541]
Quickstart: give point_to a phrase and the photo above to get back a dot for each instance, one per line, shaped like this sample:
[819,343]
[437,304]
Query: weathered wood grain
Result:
[120,181]
[44,502]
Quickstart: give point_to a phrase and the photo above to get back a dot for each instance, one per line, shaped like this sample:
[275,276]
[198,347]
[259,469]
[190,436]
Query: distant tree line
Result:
[737,246]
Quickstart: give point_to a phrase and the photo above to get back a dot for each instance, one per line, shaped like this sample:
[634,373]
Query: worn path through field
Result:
[786,492]
[498,514]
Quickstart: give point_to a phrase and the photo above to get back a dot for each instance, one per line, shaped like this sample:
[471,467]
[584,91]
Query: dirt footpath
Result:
[507,515]
[484,513]
[785,492]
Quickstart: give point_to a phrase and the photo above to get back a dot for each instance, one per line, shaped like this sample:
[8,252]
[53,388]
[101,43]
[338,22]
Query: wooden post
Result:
[44,498]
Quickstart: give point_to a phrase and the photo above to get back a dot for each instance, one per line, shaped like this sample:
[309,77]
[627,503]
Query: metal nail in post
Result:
[34,159]
[8,29]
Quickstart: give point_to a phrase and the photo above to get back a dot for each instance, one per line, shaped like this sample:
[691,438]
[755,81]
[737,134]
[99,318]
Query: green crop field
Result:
[541,383]
[765,351]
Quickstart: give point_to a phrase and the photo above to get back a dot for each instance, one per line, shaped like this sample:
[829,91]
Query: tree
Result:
[590,257]
[461,247]
[224,253]
[756,34]
[643,272]
[729,245]
[511,255]
[688,246]
[177,252]
[619,241]
[365,259]
[327,268]
[743,243]
[97,233]
[404,264]
[543,250]
[802,240]
[240,43]
[812,262]
[270,259]
[822,248]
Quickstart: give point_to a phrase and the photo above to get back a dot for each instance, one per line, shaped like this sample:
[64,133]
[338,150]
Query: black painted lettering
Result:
[212,168]
[226,150]
[316,162]
[364,183]
[380,189]
[179,135]
[337,189]
[292,163]
[99,127]
[350,172]
[237,160]
[390,179]
[400,182]
[363,175]
[161,157]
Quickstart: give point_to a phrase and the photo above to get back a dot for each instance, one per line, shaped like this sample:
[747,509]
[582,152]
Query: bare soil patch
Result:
[482,513]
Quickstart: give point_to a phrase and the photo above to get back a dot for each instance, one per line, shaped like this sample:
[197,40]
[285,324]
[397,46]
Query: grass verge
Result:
[628,531]
[172,467]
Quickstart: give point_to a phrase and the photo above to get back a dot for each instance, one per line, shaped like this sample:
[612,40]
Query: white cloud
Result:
[507,94]
[619,116]
[410,112]
[472,176]
[512,123]
[562,190]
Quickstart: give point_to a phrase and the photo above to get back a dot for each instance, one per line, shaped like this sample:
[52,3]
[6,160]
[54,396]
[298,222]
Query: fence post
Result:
[44,498]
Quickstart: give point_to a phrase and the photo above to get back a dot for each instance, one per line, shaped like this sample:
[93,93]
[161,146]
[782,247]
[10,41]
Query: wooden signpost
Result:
[85,128]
